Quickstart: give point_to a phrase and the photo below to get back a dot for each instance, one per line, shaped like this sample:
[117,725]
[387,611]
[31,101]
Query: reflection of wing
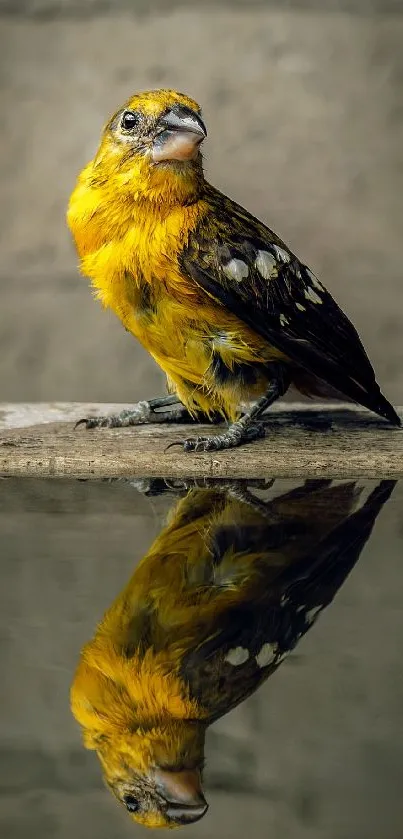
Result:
[247,269]
[252,638]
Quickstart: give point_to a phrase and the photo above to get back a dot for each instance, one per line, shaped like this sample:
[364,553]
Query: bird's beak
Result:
[180,133]
[183,793]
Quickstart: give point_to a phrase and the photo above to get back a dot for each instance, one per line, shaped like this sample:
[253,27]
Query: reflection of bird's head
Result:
[152,766]
[151,147]
[155,796]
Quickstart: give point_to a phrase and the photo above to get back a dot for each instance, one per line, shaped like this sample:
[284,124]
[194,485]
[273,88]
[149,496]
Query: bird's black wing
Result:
[247,269]
[253,638]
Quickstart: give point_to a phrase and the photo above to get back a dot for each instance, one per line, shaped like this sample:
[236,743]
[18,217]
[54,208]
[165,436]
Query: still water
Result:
[281,607]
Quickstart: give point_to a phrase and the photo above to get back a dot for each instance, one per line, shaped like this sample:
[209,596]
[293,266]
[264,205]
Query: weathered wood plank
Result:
[302,441]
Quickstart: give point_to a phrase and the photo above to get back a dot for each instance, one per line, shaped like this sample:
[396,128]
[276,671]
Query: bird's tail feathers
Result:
[382,407]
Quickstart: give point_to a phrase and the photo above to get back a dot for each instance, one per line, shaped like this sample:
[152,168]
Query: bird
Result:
[228,588]
[219,301]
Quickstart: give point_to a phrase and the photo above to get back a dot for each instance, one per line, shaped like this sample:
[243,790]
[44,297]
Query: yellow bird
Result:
[219,301]
[223,595]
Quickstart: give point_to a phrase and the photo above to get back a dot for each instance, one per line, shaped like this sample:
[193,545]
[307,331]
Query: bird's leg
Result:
[250,426]
[147,411]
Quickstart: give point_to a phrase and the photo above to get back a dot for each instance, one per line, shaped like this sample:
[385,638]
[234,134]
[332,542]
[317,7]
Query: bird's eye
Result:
[131,803]
[129,120]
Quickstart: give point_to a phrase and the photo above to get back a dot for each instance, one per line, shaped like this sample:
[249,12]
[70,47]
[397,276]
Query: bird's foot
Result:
[238,488]
[238,433]
[140,414]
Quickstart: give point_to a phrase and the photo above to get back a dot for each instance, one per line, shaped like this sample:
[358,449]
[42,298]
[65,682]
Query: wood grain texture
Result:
[302,441]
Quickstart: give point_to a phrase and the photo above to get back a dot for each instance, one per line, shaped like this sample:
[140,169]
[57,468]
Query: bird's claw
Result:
[172,445]
[96,422]
[81,421]
[138,415]
[236,435]
[91,422]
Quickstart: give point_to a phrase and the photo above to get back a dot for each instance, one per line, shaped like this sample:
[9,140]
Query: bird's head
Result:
[150,148]
[157,775]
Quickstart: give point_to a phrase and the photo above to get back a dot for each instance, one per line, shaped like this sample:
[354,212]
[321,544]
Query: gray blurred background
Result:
[304,105]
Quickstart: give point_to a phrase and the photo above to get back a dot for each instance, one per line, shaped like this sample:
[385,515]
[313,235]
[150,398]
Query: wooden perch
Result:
[302,441]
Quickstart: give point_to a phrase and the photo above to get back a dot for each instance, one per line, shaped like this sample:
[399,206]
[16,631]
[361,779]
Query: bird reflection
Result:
[233,581]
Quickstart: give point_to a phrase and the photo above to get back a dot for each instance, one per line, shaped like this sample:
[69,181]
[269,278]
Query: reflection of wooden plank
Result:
[302,441]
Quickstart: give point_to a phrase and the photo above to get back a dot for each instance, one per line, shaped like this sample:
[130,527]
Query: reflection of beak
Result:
[183,793]
[181,132]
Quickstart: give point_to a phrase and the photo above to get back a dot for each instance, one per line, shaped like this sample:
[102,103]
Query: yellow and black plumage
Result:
[220,302]
[226,591]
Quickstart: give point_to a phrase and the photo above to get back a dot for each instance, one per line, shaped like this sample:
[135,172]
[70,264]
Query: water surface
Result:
[315,751]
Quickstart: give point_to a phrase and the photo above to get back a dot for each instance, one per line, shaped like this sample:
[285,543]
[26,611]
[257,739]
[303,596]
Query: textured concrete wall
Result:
[305,128]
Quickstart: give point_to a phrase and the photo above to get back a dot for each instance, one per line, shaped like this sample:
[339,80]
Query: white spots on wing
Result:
[300,307]
[283,320]
[266,265]
[237,656]
[266,655]
[281,254]
[310,294]
[236,269]
[314,280]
